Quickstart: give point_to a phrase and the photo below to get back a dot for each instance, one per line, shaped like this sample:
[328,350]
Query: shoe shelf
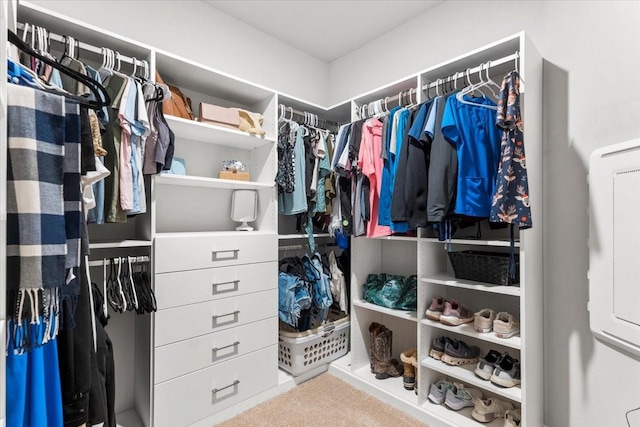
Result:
[468,330]
[408,315]
[448,279]
[461,418]
[393,386]
[205,132]
[465,373]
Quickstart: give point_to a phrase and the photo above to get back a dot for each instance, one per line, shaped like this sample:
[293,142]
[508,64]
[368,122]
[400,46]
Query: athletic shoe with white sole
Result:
[490,409]
[436,308]
[487,365]
[459,397]
[438,391]
[459,353]
[483,320]
[437,347]
[507,372]
[513,418]
[506,325]
[455,314]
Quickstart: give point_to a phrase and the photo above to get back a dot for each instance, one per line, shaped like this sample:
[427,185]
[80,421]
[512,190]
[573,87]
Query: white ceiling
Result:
[324,29]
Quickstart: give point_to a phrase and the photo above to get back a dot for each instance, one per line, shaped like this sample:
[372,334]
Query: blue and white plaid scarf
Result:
[43,208]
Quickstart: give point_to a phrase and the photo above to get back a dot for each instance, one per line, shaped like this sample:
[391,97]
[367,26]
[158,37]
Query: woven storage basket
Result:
[487,267]
[300,352]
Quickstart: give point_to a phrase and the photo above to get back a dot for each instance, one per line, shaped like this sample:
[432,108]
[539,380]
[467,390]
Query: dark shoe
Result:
[459,353]
[408,358]
[437,347]
[374,329]
[381,352]
[487,364]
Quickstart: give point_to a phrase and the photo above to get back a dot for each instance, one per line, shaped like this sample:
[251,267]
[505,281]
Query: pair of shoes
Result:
[450,313]
[409,360]
[490,409]
[513,418]
[380,346]
[503,324]
[438,391]
[459,396]
[500,369]
[457,353]
[453,352]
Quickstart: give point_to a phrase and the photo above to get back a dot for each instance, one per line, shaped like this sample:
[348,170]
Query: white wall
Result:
[591,99]
[210,37]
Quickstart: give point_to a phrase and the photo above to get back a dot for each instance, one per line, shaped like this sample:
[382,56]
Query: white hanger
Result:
[105,304]
[124,300]
[460,95]
[135,65]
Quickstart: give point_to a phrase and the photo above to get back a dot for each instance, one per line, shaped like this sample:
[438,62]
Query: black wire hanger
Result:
[102,98]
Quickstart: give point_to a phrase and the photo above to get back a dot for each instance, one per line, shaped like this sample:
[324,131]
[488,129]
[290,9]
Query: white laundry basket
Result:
[300,352]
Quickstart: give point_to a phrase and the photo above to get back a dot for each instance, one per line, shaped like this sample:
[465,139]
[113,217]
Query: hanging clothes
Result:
[471,128]
[510,202]
[296,202]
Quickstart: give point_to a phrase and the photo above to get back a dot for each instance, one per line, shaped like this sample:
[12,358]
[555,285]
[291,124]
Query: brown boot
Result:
[374,329]
[383,365]
[408,358]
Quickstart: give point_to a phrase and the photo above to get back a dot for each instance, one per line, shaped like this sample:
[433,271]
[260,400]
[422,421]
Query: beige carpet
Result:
[323,401]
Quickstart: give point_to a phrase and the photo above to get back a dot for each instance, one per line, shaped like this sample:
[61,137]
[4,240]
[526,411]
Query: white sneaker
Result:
[513,418]
[490,409]
[483,320]
[506,325]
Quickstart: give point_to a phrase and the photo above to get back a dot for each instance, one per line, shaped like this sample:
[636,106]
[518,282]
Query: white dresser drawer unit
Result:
[188,321]
[193,397]
[189,287]
[190,251]
[183,357]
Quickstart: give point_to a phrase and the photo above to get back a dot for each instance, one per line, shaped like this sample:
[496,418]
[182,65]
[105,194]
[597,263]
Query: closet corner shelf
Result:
[468,330]
[408,315]
[120,244]
[196,181]
[465,373]
[474,242]
[302,236]
[448,279]
[218,135]
[460,418]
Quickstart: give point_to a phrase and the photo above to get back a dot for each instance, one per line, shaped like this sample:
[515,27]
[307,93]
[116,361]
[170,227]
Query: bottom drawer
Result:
[187,399]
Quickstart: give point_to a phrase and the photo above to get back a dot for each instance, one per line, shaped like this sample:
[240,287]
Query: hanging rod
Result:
[460,74]
[302,114]
[134,260]
[82,45]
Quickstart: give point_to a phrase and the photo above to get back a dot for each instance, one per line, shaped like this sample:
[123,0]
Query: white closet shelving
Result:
[426,256]
[190,237]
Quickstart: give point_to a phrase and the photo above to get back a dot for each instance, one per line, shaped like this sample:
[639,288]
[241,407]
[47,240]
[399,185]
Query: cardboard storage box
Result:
[237,176]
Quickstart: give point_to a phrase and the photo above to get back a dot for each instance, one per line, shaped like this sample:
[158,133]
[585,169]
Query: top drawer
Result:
[189,251]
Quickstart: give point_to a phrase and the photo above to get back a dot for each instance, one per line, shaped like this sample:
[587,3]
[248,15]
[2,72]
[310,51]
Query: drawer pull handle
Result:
[217,349]
[214,288]
[233,313]
[216,390]
[220,255]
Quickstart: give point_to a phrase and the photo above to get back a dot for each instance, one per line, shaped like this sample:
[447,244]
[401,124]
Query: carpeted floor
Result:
[323,401]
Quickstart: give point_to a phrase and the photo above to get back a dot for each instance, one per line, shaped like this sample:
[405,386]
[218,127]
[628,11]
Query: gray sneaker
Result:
[507,372]
[437,347]
[459,353]
[459,397]
[438,391]
[487,364]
